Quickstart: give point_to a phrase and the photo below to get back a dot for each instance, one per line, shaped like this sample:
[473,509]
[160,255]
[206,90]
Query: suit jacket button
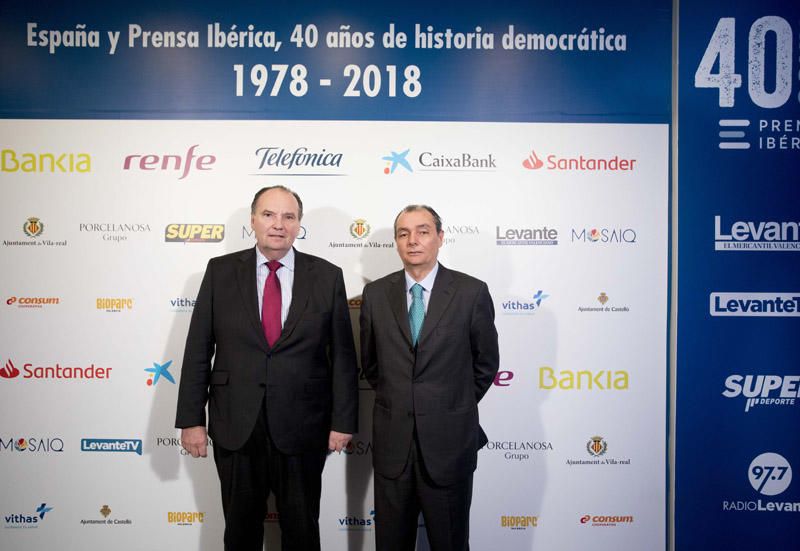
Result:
[411,414]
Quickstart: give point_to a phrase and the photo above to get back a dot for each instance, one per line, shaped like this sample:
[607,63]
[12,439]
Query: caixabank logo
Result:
[763,391]
[770,475]
[27,520]
[577,162]
[57,371]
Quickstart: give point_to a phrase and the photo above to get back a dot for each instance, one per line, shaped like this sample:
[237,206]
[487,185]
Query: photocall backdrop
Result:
[133,140]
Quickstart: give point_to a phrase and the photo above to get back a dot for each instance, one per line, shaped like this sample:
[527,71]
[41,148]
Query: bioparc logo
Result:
[32,445]
[606,520]
[32,302]
[769,474]
[524,307]
[578,163]
[158,371]
[115,445]
[194,233]
[755,304]
[178,163]
[750,235]
[518,522]
[357,523]
[118,304]
[185,518]
[597,450]
[763,390]
[27,520]
[57,371]
[604,235]
[300,161]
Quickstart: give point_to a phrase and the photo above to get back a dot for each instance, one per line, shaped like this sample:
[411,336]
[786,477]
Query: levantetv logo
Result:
[30,520]
[755,304]
[763,390]
[125,445]
[756,236]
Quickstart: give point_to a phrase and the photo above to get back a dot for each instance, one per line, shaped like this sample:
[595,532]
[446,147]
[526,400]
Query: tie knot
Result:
[273,265]
[416,290]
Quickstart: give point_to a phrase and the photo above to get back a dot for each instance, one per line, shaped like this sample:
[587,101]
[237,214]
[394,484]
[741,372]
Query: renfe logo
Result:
[755,304]
[171,162]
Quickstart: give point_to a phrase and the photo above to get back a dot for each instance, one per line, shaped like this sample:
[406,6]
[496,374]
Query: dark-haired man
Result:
[429,349]
[282,387]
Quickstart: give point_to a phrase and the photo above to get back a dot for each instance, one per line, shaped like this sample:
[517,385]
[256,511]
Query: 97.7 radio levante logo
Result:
[769,82]
[770,474]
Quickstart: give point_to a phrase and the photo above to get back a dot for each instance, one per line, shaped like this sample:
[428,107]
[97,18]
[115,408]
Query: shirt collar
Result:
[426,283]
[287,261]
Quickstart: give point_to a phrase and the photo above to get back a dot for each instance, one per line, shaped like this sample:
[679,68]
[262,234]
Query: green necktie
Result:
[416,315]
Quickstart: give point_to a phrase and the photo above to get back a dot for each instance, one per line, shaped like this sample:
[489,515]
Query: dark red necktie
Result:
[271,306]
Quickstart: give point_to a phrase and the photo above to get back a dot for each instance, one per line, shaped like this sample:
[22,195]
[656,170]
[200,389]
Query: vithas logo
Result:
[8,371]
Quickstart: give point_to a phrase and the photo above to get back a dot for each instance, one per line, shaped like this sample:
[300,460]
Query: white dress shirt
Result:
[285,276]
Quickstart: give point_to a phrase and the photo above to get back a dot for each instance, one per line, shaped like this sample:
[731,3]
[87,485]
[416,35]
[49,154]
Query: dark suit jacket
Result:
[309,376]
[438,385]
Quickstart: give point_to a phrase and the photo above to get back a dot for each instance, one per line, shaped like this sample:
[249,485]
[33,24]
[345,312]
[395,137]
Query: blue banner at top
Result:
[575,61]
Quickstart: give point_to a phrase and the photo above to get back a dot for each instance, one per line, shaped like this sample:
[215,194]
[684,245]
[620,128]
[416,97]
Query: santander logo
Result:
[533,162]
[8,371]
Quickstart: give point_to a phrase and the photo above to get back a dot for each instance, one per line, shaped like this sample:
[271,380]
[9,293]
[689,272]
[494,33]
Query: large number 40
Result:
[722,47]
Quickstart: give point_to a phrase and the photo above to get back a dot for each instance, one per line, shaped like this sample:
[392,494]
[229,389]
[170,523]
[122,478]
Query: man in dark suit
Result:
[429,349]
[283,387]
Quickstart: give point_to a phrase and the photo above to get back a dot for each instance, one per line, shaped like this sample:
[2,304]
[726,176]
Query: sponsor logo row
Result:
[320,161]
[82,372]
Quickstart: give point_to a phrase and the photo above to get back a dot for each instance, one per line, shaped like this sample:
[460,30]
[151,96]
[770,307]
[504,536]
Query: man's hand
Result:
[195,441]
[337,441]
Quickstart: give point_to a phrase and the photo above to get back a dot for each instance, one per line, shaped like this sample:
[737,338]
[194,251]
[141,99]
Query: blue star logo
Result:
[43,509]
[539,297]
[158,371]
[397,159]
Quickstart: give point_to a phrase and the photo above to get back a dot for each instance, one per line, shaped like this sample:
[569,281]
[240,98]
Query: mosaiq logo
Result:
[604,235]
[763,390]
[769,474]
[756,235]
[32,445]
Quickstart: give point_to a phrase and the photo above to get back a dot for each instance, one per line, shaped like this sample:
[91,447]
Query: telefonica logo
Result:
[301,161]
[578,163]
[17,161]
[755,304]
[180,164]
[749,235]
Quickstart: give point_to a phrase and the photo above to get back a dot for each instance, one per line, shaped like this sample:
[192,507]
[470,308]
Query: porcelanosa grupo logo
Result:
[755,304]
[395,160]
[114,232]
[301,161]
[517,450]
[769,474]
[756,235]
[178,163]
[763,390]
[578,163]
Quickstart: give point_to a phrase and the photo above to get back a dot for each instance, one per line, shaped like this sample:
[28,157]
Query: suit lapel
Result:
[441,295]
[301,288]
[399,303]
[246,279]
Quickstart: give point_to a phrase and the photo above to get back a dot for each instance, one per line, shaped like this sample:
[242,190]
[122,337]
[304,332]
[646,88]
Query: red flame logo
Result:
[532,162]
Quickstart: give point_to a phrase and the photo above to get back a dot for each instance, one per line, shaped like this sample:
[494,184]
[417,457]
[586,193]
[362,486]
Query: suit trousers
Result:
[399,501]
[248,475]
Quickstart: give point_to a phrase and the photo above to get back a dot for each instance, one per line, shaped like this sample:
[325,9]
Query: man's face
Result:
[275,222]
[417,241]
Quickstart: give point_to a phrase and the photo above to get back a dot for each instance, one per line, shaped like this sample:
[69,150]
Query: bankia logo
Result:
[194,233]
[604,235]
[32,302]
[606,520]
[181,163]
[357,523]
[116,445]
[57,371]
[299,161]
[395,160]
[769,474]
[763,390]
[158,371]
[457,161]
[27,520]
[588,380]
[524,306]
[578,163]
[526,236]
[57,162]
[755,304]
[32,445]
[756,235]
